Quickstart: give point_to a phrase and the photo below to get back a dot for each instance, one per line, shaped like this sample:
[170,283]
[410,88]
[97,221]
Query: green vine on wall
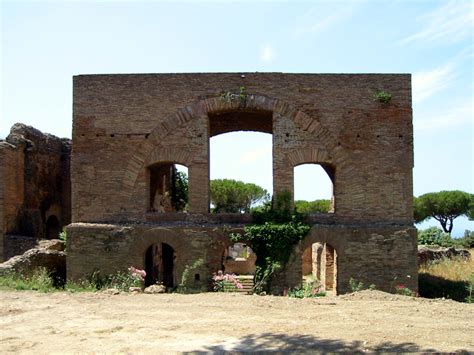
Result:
[276,231]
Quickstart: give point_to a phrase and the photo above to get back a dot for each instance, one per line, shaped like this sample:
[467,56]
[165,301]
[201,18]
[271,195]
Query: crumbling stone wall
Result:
[124,124]
[34,183]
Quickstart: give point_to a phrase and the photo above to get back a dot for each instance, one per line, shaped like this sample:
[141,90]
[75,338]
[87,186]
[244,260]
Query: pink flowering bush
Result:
[137,273]
[225,282]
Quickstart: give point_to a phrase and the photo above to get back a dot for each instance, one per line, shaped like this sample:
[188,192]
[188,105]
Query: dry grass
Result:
[449,278]
[457,269]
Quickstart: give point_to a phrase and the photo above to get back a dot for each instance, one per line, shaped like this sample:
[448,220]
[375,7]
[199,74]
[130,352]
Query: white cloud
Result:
[456,116]
[322,17]
[255,155]
[428,83]
[267,53]
[452,22]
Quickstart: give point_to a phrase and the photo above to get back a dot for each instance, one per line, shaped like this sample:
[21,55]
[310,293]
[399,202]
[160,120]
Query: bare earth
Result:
[136,323]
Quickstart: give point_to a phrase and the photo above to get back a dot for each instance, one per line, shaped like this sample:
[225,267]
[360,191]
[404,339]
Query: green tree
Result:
[316,206]
[444,206]
[234,196]
[179,190]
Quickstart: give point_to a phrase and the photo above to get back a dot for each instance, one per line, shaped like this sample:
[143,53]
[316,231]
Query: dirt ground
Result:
[136,323]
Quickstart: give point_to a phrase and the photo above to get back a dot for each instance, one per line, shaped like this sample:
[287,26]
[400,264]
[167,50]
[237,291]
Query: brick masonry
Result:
[125,124]
[34,185]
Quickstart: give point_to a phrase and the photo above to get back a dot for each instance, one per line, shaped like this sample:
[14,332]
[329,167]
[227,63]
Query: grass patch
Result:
[38,280]
[449,278]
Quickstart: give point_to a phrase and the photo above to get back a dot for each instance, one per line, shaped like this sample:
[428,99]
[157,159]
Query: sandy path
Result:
[136,323]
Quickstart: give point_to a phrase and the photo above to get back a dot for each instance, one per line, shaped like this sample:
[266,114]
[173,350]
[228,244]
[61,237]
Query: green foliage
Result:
[467,240]
[63,236]
[186,283]
[179,190]
[434,236]
[405,291]
[444,206]
[275,232]
[356,286]
[279,211]
[121,280]
[383,96]
[39,280]
[310,207]
[229,97]
[310,288]
[470,290]
[234,196]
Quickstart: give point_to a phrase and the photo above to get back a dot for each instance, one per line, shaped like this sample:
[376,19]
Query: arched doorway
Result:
[319,262]
[159,265]
[53,227]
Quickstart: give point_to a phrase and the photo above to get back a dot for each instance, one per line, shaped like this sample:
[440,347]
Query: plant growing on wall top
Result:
[241,96]
[383,96]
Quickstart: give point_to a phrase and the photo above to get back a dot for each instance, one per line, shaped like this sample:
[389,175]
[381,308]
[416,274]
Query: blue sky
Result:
[43,44]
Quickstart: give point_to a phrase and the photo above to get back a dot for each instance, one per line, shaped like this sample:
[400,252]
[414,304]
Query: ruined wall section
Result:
[369,143]
[35,181]
[11,190]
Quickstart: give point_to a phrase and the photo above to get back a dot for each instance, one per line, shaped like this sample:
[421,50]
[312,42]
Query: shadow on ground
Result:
[282,343]
[431,286]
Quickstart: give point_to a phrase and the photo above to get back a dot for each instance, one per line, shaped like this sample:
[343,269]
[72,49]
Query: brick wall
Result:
[124,123]
[34,183]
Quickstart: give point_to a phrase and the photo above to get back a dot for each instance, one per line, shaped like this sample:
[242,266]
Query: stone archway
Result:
[199,165]
[159,265]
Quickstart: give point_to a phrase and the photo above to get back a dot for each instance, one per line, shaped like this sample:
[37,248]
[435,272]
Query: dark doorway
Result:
[151,267]
[53,228]
[167,256]
[159,265]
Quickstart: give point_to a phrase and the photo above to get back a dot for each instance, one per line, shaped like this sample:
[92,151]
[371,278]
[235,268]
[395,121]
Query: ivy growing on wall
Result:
[276,231]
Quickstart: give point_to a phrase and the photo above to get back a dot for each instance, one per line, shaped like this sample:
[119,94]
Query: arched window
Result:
[314,188]
[168,187]
[240,151]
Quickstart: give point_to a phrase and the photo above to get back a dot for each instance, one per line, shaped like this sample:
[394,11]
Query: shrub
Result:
[356,286]
[185,283]
[310,288]
[434,236]
[403,290]
[383,96]
[121,280]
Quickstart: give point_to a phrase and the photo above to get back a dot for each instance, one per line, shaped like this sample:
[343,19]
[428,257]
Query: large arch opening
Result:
[168,187]
[314,188]
[53,227]
[319,265]
[241,171]
[159,265]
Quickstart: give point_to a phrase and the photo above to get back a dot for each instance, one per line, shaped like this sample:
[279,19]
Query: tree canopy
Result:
[444,206]
[234,196]
[316,206]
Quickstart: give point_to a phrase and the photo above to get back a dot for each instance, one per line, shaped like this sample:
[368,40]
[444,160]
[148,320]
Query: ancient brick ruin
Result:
[130,130]
[35,189]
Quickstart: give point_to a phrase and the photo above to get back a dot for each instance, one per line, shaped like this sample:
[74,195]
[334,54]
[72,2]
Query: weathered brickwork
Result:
[34,185]
[125,124]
